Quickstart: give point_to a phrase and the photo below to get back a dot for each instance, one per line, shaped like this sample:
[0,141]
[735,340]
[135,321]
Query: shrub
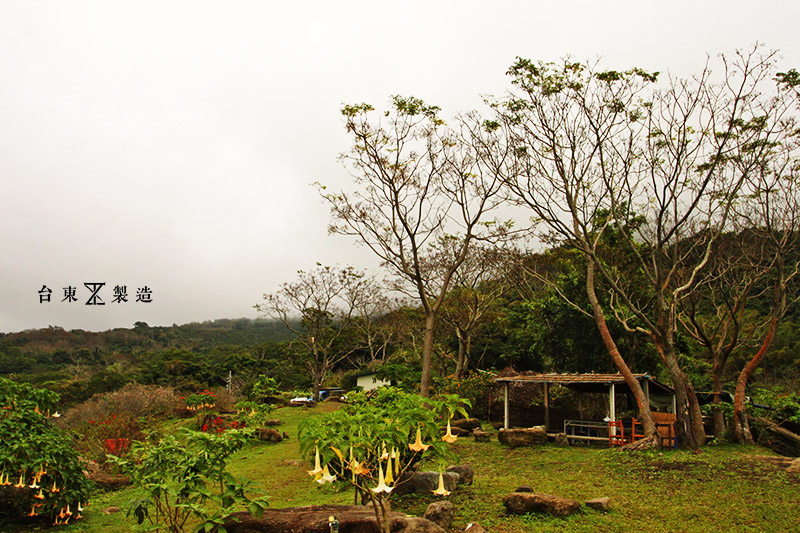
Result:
[475,387]
[202,400]
[36,458]
[370,443]
[254,414]
[119,416]
[185,479]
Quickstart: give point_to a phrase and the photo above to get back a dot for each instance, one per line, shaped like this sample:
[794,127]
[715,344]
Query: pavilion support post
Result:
[505,405]
[647,391]
[612,402]
[546,406]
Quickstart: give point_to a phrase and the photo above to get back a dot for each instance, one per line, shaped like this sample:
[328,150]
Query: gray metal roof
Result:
[587,382]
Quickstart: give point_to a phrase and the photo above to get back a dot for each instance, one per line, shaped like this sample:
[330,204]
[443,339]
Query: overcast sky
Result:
[171,145]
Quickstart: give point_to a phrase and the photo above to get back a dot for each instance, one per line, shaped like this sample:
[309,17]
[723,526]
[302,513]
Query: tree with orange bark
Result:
[772,215]
[602,150]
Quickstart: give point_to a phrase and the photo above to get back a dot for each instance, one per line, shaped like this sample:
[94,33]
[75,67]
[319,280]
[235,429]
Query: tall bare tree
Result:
[416,180]
[325,300]
[718,315]
[477,287]
[770,210]
[612,154]
[570,125]
[375,322]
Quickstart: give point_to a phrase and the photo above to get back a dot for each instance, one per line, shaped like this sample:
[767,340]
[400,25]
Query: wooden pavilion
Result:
[660,397]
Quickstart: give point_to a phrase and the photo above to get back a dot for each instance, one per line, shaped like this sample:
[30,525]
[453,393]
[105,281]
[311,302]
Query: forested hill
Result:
[194,335]
[79,363]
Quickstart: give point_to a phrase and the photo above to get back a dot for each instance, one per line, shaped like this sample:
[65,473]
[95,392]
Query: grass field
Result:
[722,488]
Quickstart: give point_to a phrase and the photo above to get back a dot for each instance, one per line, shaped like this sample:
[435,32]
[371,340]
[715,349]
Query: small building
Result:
[370,381]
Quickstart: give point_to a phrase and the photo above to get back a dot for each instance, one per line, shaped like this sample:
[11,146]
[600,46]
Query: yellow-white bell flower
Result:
[317,468]
[389,476]
[440,489]
[381,482]
[449,437]
[417,446]
[326,476]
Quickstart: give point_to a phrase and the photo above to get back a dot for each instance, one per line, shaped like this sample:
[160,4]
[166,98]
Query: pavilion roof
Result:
[585,382]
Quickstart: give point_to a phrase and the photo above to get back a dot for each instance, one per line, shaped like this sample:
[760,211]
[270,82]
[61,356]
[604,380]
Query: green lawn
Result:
[723,488]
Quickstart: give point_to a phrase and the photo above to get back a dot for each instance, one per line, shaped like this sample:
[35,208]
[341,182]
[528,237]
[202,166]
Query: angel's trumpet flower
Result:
[326,476]
[382,487]
[449,437]
[417,446]
[317,468]
[440,489]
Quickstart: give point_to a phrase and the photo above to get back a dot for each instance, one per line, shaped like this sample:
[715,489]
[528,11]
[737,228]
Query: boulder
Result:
[272,423]
[268,434]
[474,527]
[524,488]
[482,436]
[470,424]
[599,504]
[424,482]
[441,513]
[794,467]
[534,502]
[314,519]
[523,436]
[110,481]
[465,473]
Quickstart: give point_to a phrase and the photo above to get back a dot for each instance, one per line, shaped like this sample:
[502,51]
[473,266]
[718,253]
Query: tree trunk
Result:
[645,415]
[689,428]
[464,346]
[740,426]
[716,408]
[427,350]
[316,378]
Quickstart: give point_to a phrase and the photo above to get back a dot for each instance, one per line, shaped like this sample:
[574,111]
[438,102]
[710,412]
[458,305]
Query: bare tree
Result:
[718,313]
[374,319]
[571,127]
[324,299]
[472,302]
[771,212]
[417,180]
[641,180]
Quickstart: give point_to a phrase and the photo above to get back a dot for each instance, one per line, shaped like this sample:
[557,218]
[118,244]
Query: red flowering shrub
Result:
[117,415]
[216,425]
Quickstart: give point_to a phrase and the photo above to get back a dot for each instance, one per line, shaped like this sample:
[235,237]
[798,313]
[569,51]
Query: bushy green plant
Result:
[264,388]
[254,414]
[187,478]
[371,442]
[475,387]
[37,459]
[201,400]
[785,406]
